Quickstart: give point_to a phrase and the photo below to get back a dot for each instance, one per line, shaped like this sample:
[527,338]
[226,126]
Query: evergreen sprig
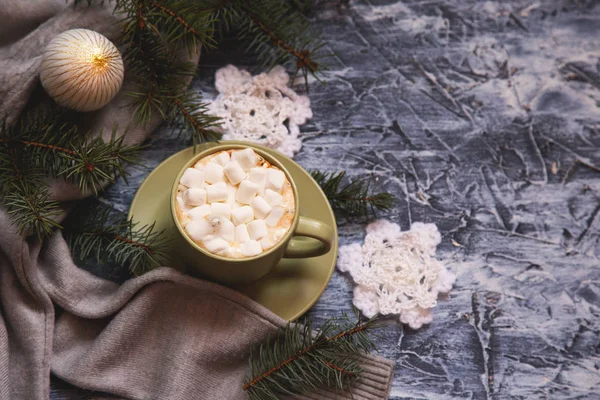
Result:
[154,35]
[52,147]
[299,360]
[187,23]
[354,198]
[109,237]
[279,33]
[23,193]
[190,114]
[30,208]
[42,144]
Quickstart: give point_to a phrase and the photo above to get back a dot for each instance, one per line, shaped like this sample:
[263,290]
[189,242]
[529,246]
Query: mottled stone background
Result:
[482,117]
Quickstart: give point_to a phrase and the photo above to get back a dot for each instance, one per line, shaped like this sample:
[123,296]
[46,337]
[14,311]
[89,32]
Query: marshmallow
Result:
[234,172]
[210,237]
[222,158]
[257,229]
[223,227]
[192,178]
[260,206]
[199,212]
[266,243]
[194,197]
[231,191]
[213,173]
[217,246]
[273,198]
[182,205]
[221,209]
[246,192]
[275,179]
[217,192]
[275,215]
[233,205]
[241,234]
[251,248]
[199,229]
[234,252]
[246,158]
[279,233]
[258,175]
[242,215]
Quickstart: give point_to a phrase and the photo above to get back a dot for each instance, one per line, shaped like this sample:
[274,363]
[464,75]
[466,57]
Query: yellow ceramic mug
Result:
[234,271]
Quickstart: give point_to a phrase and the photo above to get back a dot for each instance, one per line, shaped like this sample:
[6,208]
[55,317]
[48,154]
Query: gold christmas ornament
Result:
[81,69]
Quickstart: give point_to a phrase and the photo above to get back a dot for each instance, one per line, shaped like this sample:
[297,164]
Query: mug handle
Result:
[298,248]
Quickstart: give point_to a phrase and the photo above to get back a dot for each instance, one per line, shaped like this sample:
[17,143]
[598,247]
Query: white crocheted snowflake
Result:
[257,109]
[397,272]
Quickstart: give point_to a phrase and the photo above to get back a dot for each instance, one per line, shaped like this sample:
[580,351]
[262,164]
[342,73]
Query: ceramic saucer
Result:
[294,285]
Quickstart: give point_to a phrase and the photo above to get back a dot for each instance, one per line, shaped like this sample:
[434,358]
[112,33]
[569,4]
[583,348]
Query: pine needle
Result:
[299,360]
[108,237]
[190,114]
[153,33]
[30,209]
[354,198]
[41,144]
[279,34]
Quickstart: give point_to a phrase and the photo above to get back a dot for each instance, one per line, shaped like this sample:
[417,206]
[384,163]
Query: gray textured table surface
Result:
[482,117]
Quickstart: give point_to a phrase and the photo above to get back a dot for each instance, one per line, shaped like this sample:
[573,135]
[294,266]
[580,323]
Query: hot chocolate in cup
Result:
[235,203]
[236,212]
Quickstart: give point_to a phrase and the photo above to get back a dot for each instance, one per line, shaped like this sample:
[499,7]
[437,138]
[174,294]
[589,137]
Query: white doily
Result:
[397,272]
[257,109]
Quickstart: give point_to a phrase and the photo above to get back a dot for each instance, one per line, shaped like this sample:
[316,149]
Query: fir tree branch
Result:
[30,209]
[45,146]
[153,30]
[177,17]
[189,22]
[337,368]
[60,151]
[42,144]
[297,360]
[97,162]
[303,59]
[25,195]
[90,2]
[353,198]
[279,33]
[109,237]
[226,13]
[190,109]
[140,14]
